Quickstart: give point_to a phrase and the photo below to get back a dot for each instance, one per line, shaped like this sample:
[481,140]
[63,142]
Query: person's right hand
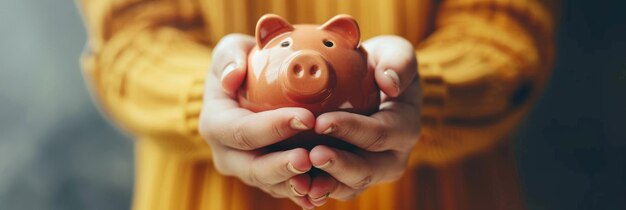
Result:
[236,134]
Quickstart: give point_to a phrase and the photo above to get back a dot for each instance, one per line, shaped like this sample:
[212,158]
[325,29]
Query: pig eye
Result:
[328,43]
[284,44]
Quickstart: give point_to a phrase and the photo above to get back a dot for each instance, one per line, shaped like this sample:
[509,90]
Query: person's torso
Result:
[411,19]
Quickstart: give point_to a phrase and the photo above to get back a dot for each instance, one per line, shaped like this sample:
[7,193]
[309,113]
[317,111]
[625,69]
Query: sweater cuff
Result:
[192,106]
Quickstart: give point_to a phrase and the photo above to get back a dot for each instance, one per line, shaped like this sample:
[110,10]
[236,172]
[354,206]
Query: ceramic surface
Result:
[321,68]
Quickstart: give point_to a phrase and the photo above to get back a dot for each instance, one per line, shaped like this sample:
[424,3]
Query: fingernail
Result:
[228,69]
[293,169]
[297,124]
[321,198]
[329,129]
[325,165]
[295,192]
[393,76]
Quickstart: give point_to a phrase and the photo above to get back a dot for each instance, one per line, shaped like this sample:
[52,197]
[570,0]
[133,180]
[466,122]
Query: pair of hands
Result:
[385,139]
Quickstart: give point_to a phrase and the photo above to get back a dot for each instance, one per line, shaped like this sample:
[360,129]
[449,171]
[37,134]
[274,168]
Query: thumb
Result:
[395,63]
[230,60]
[233,75]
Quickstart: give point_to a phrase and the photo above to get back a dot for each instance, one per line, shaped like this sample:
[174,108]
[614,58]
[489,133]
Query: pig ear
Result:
[345,25]
[270,26]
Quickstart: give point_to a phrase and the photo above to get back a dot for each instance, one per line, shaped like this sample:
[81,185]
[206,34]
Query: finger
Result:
[411,96]
[348,168]
[394,62]
[296,189]
[289,188]
[395,120]
[233,76]
[232,48]
[300,185]
[238,163]
[302,202]
[281,191]
[232,162]
[344,193]
[329,187]
[322,186]
[277,167]
[230,60]
[355,171]
[215,99]
[241,129]
[362,131]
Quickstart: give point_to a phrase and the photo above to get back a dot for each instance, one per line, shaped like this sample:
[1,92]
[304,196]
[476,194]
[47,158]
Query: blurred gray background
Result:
[57,152]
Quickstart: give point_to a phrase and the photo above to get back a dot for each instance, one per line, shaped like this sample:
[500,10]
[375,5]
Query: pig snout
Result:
[307,77]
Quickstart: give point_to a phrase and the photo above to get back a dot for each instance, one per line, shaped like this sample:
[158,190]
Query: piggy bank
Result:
[321,68]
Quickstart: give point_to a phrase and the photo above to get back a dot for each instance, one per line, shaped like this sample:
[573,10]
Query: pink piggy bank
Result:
[320,68]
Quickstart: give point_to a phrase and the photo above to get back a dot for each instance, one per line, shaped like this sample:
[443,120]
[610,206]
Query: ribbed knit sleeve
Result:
[480,69]
[145,62]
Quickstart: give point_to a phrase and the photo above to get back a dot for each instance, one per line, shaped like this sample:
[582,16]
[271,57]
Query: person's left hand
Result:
[385,139]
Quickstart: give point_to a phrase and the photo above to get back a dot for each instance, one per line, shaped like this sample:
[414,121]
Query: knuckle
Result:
[255,180]
[277,131]
[242,141]
[285,173]
[345,129]
[362,183]
[378,141]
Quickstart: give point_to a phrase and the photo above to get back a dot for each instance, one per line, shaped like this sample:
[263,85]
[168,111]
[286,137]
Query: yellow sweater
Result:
[482,63]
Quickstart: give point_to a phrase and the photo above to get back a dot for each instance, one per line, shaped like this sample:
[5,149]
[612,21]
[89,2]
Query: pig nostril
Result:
[315,71]
[297,70]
